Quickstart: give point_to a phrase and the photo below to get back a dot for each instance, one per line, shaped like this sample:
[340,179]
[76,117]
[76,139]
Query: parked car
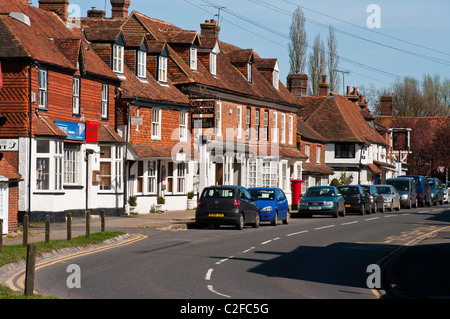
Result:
[390,195]
[226,205]
[406,188]
[437,191]
[446,200]
[355,198]
[447,187]
[376,199]
[272,204]
[422,189]
[323,200]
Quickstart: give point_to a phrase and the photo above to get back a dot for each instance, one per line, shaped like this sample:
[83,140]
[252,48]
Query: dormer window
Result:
[249,72]
[162,69]
[276,76]
[118,54]
[213,63]
[193,58]
[141,67]
[213,59]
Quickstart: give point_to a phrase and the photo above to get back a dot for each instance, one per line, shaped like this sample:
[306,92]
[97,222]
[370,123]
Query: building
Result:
[352,145]
[58,98]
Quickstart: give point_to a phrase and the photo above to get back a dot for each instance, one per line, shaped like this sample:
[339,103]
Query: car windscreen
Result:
[218,193]
[384,189]
[431,182]
[262,194]
[348,190]
[399,185]
[320,192]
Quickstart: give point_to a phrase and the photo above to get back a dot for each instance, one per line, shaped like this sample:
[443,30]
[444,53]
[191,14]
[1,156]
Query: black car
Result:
[376,199]
[355,198]
[226,205]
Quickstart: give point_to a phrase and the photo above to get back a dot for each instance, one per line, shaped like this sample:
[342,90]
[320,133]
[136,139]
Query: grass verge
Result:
[15,253]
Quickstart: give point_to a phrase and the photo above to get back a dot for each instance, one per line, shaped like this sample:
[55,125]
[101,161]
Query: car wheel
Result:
[363,210]
[375,210]
[240,224]
[256,224]
[286,220]
[275,219]
[343,212]
[409,204]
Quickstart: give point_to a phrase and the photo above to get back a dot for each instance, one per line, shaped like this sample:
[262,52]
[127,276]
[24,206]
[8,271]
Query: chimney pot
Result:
[60,7]
[297,84]
[386,105]
[323,86]
[120,8]
[210,28]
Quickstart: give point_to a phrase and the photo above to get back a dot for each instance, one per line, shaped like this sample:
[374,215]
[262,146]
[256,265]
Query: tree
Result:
[299,42]
[333,60]
[316,64]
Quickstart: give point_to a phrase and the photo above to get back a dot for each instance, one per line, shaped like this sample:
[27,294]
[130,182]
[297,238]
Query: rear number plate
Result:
[315,208]
[215,215]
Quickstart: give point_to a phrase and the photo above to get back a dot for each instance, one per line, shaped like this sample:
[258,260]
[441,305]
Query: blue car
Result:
[272,204]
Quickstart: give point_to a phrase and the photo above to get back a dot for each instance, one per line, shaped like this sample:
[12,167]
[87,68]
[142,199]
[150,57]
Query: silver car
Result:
[390,196]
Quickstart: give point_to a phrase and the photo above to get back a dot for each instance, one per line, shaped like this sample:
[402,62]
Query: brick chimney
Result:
[210,28]
[120,8]
[386,105]
[96,14]
[60,7]
[323,85]
[297,84]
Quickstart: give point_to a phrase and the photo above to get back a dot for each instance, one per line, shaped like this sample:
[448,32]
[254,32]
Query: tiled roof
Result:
[43,126]
[313,168]
[338,119]
[47,39]
[306,132]
[8,171]
[108,135]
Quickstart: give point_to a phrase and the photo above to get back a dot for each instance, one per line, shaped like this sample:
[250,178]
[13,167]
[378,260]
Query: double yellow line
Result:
[20,286]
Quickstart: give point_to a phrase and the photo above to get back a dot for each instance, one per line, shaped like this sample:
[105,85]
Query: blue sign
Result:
[74,131]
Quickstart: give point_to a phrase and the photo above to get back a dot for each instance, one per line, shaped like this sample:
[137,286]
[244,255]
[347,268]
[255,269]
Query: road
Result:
[318,257]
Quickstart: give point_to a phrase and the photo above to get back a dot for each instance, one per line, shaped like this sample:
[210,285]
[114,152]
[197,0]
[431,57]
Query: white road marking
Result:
[323,227]
[297,233]
[349,223]
[210,287]
[208,274]
[373,218]
[247,250]
[387,216]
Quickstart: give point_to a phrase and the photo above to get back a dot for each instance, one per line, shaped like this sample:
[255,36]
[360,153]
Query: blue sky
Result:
[371,56]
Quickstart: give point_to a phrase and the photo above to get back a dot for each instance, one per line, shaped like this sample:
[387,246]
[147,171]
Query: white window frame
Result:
[105,99]
[266,126]
[283,128]
[181,178]
[213,63]
[76,85]
[162,69]
[183,126]
[318,151]
[276,76]
[219,118]
[239,121]
[291,129]
[43,89]
[307,152]
[152,173]
[248,123]
[141,66]
[249,72]
[193,58]
[116,168]
[118,58]
[156,124]
[274,127]
[257,123]
[71,164]
[53,174]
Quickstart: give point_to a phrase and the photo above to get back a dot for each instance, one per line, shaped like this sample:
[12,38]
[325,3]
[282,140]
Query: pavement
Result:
[169,220]
[418,271]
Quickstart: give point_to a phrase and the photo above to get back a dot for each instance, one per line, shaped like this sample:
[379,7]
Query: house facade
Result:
[352,146]
[58,99]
